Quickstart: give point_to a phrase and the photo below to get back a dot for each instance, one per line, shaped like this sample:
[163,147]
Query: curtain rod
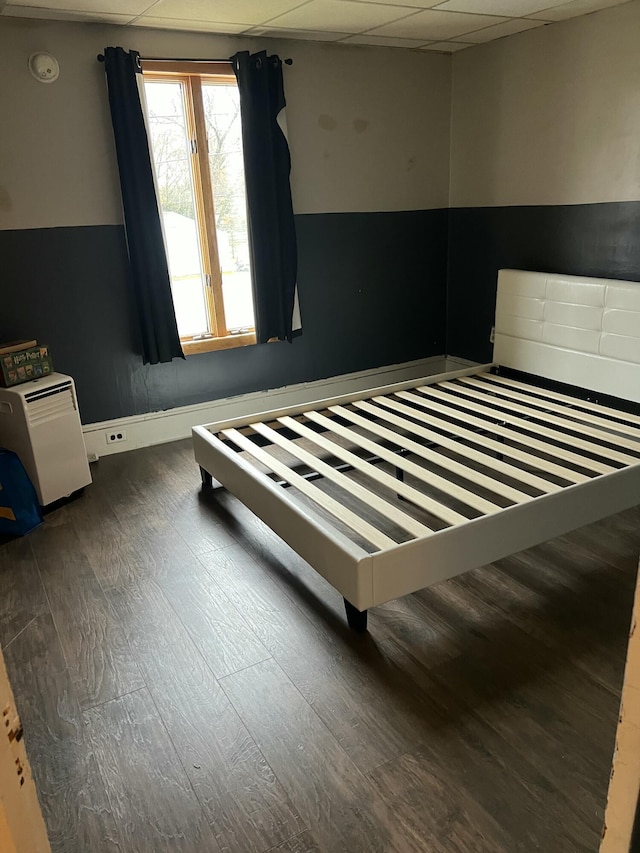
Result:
[100,58]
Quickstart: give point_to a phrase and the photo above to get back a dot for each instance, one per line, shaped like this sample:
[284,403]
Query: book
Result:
[22,365]
[16,346]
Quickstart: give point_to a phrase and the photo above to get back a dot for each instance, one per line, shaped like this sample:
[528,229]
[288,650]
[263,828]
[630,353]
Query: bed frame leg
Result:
[207,479]
[357,619]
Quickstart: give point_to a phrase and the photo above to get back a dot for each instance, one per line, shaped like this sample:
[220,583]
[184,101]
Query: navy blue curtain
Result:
[267,162]
[149,270]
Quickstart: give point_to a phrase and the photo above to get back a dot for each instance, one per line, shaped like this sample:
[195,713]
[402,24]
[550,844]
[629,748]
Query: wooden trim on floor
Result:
[21,825]
[624,787]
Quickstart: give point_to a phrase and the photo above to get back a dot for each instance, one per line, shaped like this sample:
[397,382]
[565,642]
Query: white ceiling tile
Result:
[14,11]
[576,7]
[383,41]
[509,28]
[413,5]
[222,11]
[437,26]
[188,26]
[104,7]
[112,7]
[339,15]
[445,46]
[510,8]
[304,35]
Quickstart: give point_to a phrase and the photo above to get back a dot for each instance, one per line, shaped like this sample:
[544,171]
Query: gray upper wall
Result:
[545,163]
[368,127]
[551,116]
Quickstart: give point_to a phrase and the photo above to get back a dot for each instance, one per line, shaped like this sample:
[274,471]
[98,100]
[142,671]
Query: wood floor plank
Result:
[22,596]
[46,699]
[329,667]
[181,506]
[194,525]
[139,547]
[481,767]
[490,748]
[74,801]
[565,561]
[498,677]
[286,567]
[98,656]
[447,820]
[536,668]
[90,510]
[302,843]
[617,550]
[115,560]
[127,481]
[216,626]
[587,635]
[476,715]
[533,724]
[529,691]
[109,550]
[245,804]
[150,795]
[337,802]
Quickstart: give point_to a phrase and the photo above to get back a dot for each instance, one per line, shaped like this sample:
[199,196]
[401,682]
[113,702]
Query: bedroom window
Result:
[193,111]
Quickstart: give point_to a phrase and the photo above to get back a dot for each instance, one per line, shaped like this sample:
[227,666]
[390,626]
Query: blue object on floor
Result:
[20,511]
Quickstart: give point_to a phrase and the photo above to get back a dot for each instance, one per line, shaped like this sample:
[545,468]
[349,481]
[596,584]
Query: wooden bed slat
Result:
[335,508]
[438,416]
[489,444]
[523,423]
[441,483]
[370,498]
[613,427]
[583,426]
[482,457]
[447,410]
[589,405]
[419,450]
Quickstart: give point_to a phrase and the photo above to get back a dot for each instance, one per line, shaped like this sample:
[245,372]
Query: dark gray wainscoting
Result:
[586,239]
[372,292]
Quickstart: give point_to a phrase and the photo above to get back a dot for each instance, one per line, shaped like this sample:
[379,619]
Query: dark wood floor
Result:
[187,683]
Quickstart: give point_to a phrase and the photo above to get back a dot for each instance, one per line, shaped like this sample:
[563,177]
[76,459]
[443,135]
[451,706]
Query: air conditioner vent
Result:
[48,392]
[49,407]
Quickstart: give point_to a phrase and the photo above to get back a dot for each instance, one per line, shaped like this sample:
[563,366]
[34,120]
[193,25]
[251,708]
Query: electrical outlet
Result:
[492,336]
[116,437]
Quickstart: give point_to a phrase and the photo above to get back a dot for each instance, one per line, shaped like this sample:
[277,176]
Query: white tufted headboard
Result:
[582,331]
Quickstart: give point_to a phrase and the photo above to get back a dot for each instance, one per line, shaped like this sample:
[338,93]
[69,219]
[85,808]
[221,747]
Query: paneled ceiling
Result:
[435,25]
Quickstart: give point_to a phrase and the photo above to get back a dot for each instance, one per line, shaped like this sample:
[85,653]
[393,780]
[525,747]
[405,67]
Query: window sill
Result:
[191,347]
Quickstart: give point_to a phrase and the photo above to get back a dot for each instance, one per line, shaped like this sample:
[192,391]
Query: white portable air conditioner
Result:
[39,421]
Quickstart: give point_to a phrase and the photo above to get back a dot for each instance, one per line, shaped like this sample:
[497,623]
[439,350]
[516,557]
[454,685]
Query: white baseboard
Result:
[173,424]
[454,362]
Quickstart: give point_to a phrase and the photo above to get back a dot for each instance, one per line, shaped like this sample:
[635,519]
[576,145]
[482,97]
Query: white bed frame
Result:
[577,461]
